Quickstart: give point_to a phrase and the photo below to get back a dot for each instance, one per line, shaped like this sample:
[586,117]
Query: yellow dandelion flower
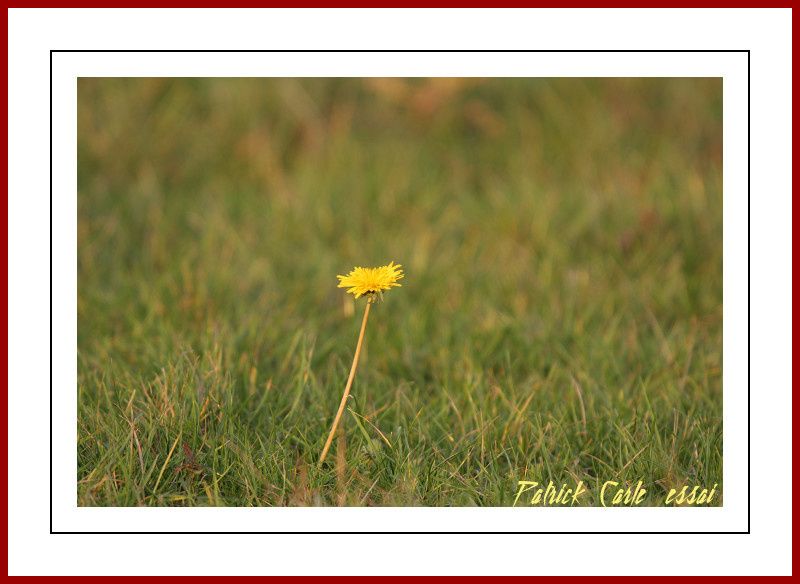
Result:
[363,281]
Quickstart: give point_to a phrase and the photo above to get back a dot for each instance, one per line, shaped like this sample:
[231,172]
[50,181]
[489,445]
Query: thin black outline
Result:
[748,294]
[51,292]
[747,51]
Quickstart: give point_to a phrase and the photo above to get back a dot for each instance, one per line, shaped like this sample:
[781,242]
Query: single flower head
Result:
[363,281]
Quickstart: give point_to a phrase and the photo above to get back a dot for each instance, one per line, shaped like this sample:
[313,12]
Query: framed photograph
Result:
[388,293]
[568,231]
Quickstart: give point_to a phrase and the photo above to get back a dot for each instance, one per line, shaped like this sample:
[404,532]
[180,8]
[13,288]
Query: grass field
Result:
[560,319]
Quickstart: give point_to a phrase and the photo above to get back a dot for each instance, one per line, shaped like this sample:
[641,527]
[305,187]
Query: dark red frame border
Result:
[10,4]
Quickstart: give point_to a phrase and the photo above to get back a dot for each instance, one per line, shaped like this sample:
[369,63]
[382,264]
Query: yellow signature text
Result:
[549,495]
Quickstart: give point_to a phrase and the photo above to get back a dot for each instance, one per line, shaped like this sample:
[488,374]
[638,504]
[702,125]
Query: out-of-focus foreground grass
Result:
[561,318]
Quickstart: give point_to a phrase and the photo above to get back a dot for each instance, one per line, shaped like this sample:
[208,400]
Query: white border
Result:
[28,132]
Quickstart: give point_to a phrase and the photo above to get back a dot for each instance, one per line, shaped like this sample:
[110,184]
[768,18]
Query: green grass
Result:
[561,317]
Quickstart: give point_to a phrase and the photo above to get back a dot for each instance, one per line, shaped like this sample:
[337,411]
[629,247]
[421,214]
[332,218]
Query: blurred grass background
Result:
[561,317]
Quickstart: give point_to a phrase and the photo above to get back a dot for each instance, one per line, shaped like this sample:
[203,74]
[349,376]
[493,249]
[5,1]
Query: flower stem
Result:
[349,384]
